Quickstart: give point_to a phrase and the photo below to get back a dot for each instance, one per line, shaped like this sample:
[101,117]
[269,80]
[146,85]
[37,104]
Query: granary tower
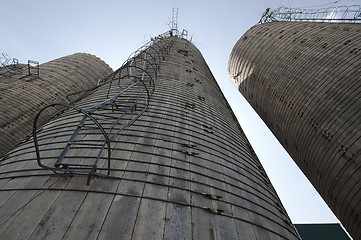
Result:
[26,88]
[152,152]
[304,80]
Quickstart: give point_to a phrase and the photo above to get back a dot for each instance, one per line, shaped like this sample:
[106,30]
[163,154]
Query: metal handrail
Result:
[350,14]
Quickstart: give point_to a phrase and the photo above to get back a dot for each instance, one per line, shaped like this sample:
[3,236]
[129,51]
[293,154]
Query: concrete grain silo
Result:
[26,91]
[304,81]
[154,152]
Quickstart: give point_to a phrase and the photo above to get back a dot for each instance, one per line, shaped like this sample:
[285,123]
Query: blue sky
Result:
[45,30]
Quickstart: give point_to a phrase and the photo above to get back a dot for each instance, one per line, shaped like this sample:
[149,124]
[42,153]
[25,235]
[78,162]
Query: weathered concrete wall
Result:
[21,98]
[183,170]
[304,80]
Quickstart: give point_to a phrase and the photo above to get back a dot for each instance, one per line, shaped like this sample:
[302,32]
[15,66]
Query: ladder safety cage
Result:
[95,116]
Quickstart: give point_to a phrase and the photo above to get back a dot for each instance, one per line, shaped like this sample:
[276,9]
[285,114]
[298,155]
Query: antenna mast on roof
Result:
[173,25]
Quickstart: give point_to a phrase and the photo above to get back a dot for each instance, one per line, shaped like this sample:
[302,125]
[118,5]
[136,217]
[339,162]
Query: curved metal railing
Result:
[350,14]
[9,66]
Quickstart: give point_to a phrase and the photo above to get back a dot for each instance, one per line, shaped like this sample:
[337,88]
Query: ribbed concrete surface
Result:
[304,80]
[183,170]
[21,99]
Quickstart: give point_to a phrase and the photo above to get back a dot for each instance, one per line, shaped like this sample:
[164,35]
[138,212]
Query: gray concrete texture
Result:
[304,81]
[183,170]
[22,97]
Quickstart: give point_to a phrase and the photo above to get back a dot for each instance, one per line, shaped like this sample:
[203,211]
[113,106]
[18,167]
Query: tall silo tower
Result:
[304,80]
[153,152]
[26,88]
